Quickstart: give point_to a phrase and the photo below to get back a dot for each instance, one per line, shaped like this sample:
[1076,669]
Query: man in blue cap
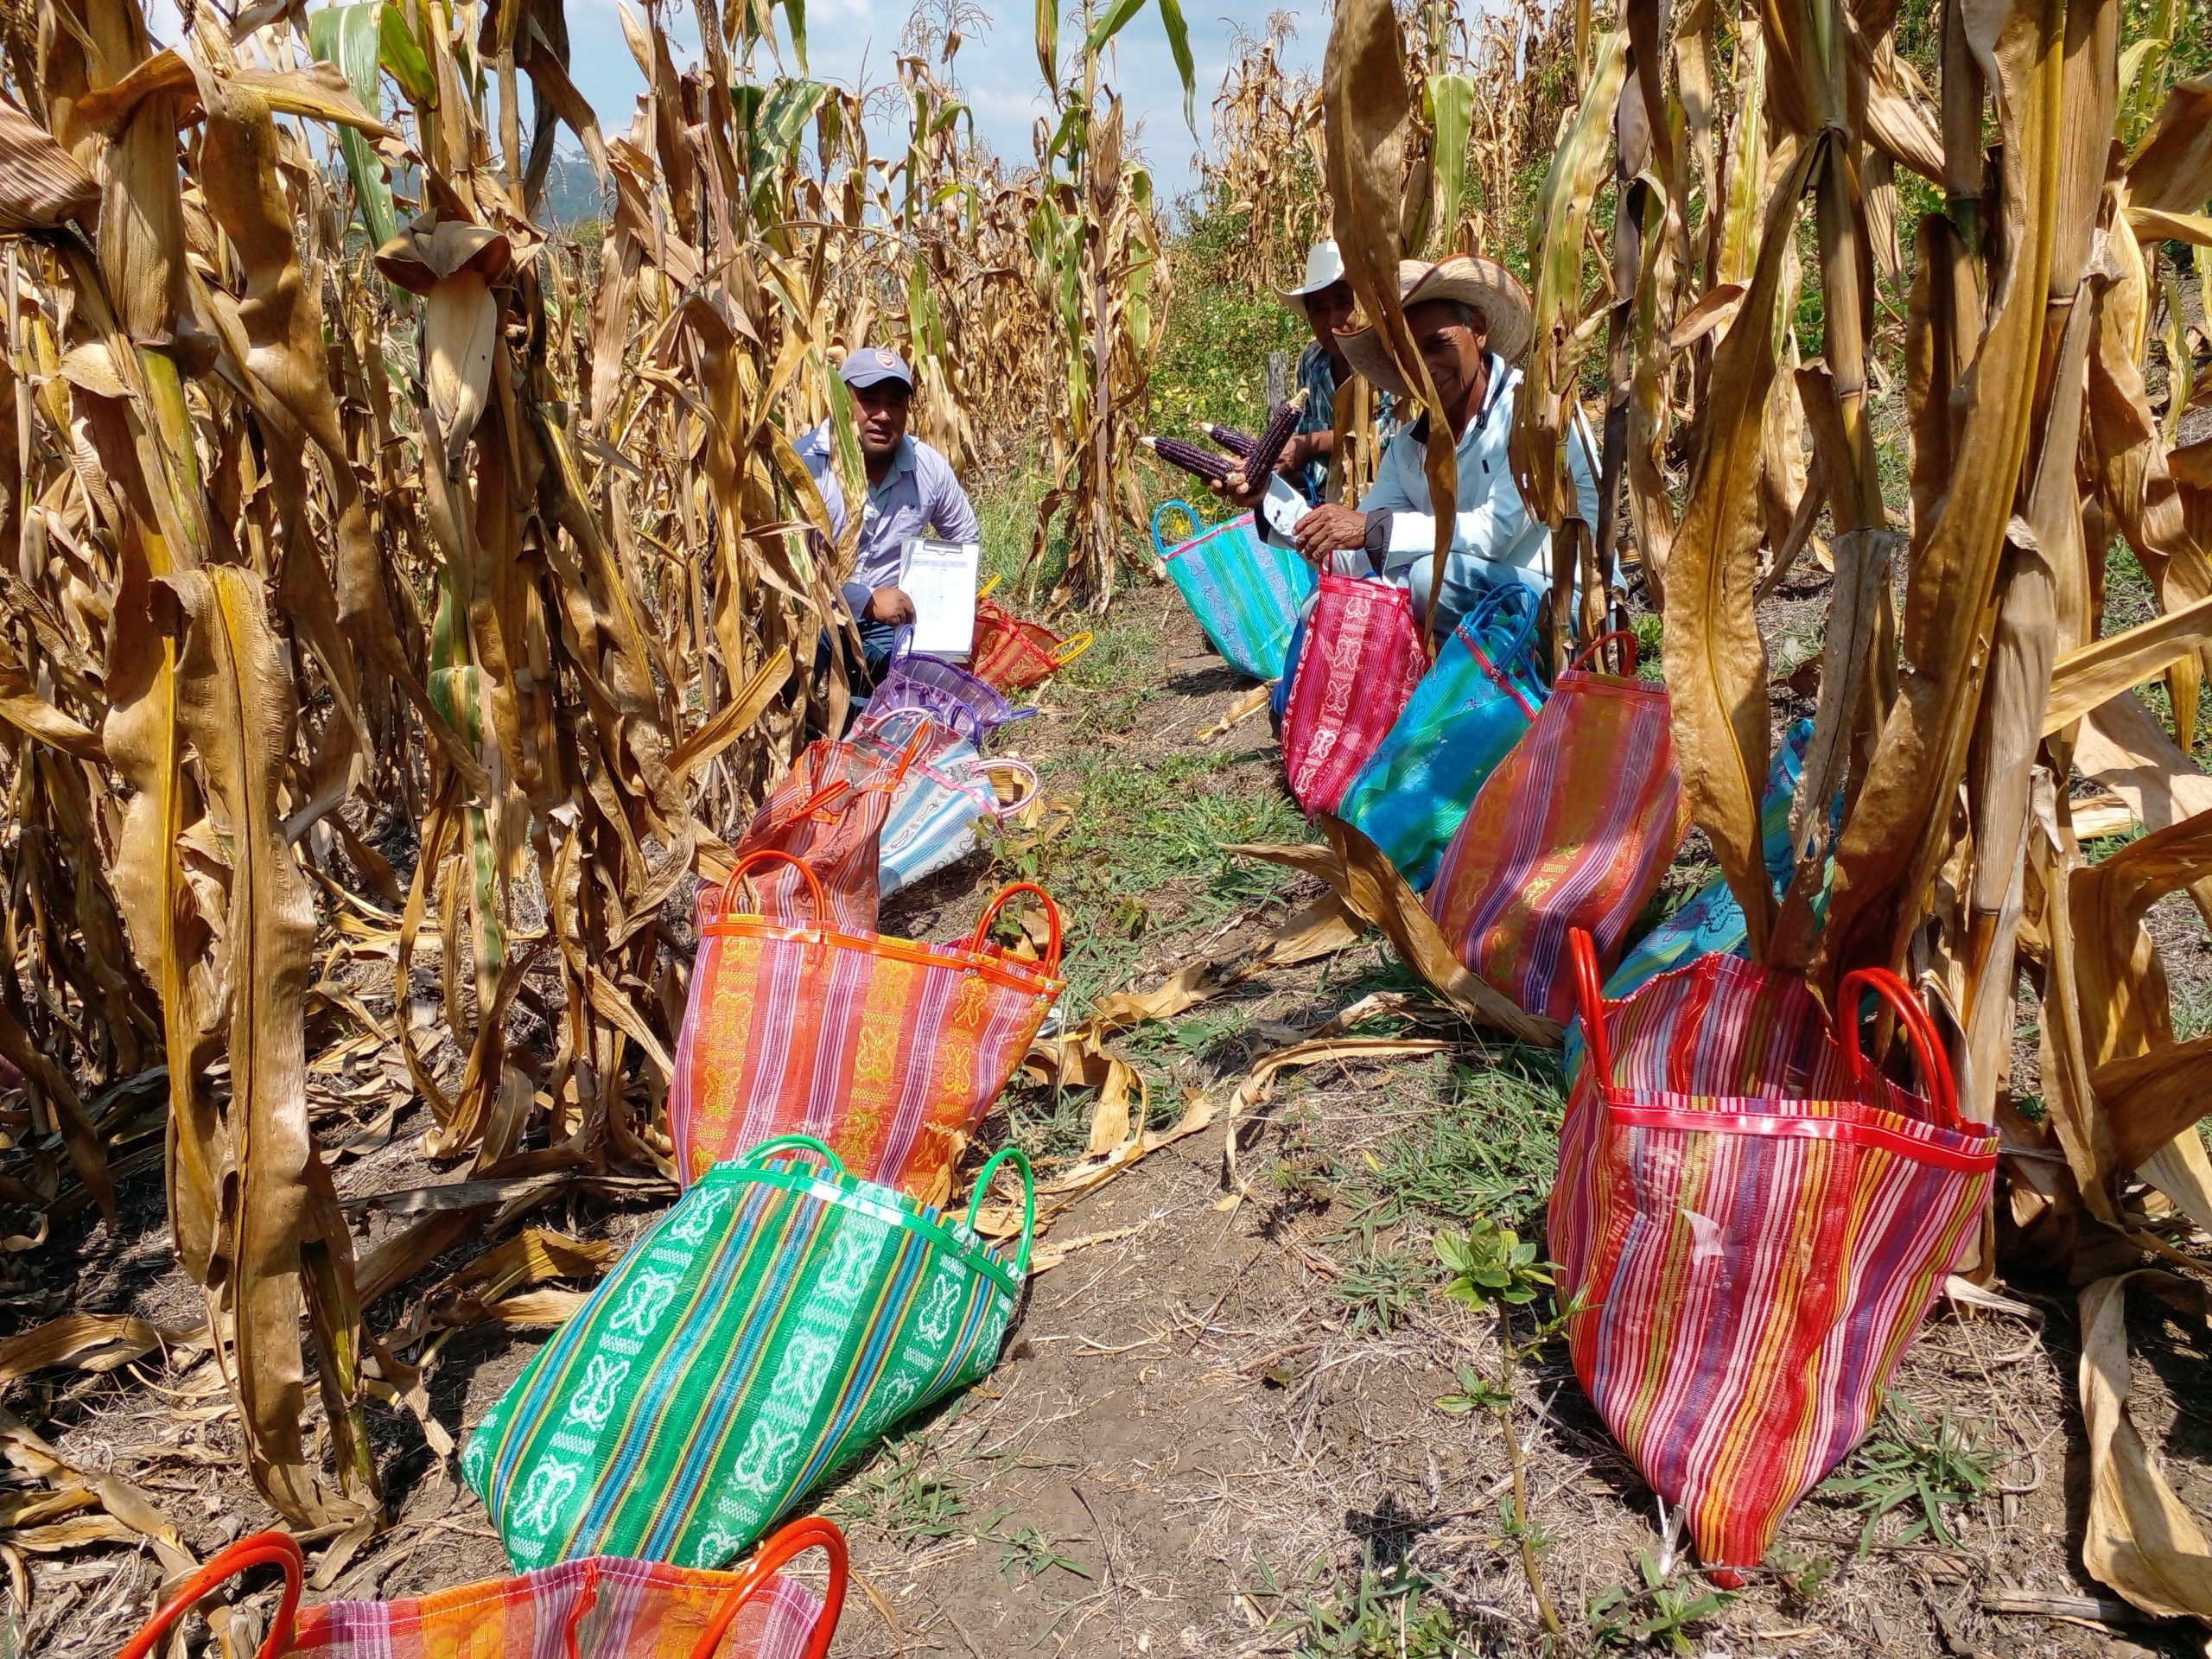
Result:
[910,493]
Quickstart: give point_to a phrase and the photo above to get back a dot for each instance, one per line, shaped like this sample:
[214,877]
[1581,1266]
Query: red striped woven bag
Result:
[1012,655]
[1575,829]
[603,1607]
[827,813]
[1756,1222]
[887,1049]
[1357,671]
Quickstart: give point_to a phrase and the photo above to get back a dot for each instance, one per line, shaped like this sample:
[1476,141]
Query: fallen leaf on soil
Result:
[1053,1254]
[1319,929]
[1259,1084]
[127,1507]
[1238,712]
[87,1342]
[2141,1539]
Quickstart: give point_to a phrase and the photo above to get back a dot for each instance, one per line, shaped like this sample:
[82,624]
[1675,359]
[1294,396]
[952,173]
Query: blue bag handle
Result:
[1494,599]
[1028,1203]
[1159,544]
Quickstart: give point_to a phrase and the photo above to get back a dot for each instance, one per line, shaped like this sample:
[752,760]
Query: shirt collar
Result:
[1503,377]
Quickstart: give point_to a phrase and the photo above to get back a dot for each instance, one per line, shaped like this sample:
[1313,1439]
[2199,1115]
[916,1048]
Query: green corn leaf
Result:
[795,19]
[1110,23]
[347,36]
[401,54]
[1452,115]
[1048,43]
[1178,45]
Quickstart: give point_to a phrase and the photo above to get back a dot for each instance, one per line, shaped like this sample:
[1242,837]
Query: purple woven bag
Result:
[944,691]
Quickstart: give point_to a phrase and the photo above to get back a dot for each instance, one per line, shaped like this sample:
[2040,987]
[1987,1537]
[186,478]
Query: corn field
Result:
[362,524]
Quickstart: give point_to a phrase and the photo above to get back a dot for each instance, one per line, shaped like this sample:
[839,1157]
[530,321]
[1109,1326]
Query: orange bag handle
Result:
[1051,922]
[262,1550]
[1589,992]
[811,1532]
[1919,1025]
[1628,650]
[813,881]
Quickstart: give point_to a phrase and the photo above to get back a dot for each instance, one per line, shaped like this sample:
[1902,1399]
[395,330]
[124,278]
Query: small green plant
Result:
[1383,1616]
[1907,1462]
[1492,1266]
[1379,1288]
[1660,1612]
[1489,1263]
[1026,1551]
[902,1492]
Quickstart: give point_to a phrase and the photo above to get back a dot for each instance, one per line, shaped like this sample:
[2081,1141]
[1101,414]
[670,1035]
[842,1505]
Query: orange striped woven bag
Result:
[887,1049]
[1755,1222]
[603,1607]
[1012,655]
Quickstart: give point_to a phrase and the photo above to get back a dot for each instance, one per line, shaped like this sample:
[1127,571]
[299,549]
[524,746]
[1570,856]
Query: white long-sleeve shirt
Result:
[1494,539]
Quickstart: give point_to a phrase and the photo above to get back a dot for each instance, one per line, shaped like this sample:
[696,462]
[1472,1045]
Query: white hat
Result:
[1324,268]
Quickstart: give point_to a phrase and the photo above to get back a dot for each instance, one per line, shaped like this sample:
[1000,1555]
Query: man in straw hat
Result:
[1471,321]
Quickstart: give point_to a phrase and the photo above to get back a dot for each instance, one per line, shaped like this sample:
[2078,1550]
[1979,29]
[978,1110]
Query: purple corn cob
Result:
[1201,463]
[1274,438]
[1239,444]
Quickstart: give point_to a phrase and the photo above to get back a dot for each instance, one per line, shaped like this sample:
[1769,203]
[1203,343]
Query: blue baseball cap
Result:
[865,366]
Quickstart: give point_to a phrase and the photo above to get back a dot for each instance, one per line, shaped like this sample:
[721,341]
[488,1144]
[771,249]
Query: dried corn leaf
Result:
[2141,1539]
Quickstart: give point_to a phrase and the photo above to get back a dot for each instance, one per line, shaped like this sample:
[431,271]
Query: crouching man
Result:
[910,493]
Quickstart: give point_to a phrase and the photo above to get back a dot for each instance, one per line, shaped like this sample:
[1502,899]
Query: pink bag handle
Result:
[1051,963]
[813,881]
[811,1532]
[1628,650]
[1022,769]
[262,1550]
[1919,1025]
[1589,993]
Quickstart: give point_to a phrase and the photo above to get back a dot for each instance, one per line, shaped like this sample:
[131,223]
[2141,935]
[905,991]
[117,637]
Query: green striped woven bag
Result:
[770,1328]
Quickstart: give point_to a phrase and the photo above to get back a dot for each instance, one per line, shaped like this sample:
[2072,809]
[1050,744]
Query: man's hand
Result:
[1247,496]
[890,606]
[1325,530]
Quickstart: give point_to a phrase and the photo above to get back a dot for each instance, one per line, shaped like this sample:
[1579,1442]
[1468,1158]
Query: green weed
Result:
[903,1492]
[1378,1289]
[1911,1465]
[1025,1553]
[1383,1616]
[1659,1612]
[1490,1151]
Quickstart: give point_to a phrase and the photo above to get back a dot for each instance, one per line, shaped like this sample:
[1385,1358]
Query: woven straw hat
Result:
[1487,286]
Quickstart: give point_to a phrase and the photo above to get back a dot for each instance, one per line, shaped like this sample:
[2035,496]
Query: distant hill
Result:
[572,192]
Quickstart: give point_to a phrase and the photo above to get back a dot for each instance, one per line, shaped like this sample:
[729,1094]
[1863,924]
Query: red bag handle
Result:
[262,1550]
[1628,650]
[1051,922]
[1919,1025]
[1589,993]
[813,881]
[811,1532]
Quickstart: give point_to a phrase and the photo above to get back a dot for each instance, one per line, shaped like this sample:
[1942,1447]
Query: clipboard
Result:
[940,578]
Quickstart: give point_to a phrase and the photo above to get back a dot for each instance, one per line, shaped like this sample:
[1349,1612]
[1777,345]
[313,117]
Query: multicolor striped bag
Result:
[1478,696]
[1574,830]
[1012,654]
[604,1607]
[826,814]
[1357,671]
[1755,1222]
[938,816]
[888,1049]
[1246,592]
[770,1326]
[944,691]
[1712,923]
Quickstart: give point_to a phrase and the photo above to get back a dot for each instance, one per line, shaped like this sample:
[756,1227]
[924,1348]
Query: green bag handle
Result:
[776,1143]
[1028,1203]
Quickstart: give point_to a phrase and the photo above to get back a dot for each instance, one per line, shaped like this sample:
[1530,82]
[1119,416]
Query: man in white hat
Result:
[911,491]
[1325,299]
[1471,321]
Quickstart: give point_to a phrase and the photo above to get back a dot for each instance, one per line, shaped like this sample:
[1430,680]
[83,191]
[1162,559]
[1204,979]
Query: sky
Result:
[852,42]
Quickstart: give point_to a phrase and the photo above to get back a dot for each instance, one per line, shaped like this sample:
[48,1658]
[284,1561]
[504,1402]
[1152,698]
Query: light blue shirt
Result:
[918,496]
[1495,539]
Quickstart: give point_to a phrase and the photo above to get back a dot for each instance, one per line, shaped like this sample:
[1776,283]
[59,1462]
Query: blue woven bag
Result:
[1712,923]
[1472,706]
[1245,592]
